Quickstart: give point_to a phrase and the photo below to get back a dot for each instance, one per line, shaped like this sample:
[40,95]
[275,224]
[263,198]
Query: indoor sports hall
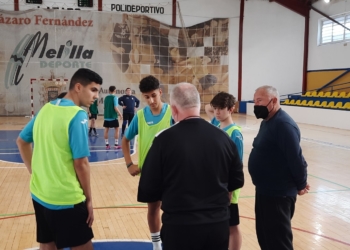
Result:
[300,47]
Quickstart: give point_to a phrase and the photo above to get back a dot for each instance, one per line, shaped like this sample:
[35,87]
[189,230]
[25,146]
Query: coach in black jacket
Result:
[191,168]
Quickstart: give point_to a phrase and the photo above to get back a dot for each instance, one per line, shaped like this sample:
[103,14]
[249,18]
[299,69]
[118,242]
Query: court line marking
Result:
[309,232]
[319,142]
[250,218]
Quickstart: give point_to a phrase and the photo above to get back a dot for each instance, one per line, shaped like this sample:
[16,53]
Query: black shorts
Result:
[93,116]
[65,227]
[111,124]
[234,215]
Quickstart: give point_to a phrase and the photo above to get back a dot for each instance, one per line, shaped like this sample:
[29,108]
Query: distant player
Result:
[111,113]
[93,112]
[129,103]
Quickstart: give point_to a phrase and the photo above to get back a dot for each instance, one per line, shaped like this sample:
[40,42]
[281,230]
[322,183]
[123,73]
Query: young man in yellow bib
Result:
[146,124]
[59,166]
[220,112]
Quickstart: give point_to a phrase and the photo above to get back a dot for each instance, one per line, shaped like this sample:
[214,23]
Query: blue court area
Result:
[122,245]
[98,152]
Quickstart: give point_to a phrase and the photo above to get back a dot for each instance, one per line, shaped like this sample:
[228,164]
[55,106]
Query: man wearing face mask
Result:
[278,170]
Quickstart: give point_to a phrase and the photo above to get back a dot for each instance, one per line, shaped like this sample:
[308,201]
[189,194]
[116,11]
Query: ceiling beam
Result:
[295,5]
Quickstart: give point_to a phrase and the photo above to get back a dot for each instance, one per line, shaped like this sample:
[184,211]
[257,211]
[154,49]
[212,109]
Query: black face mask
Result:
[261,111]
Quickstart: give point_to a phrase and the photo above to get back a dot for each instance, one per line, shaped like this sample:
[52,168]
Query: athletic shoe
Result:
[89,134]
[117,147]
[108,147]
[96,135]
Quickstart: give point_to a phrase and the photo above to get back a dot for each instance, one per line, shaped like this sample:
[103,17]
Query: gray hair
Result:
[271,91]
[185,95]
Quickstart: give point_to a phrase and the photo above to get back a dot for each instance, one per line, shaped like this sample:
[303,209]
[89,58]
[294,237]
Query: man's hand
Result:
[90,218]
[134,170]
[305,190]
[124,107]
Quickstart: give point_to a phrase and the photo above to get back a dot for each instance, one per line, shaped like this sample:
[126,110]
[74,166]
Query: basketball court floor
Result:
[321,220]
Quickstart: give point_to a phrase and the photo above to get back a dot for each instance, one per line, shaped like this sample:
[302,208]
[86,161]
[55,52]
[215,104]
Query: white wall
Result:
[315,116]
[272,48]
[330,56]
[272,43]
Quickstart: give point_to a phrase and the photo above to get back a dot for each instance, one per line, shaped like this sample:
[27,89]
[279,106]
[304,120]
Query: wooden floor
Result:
[321,221]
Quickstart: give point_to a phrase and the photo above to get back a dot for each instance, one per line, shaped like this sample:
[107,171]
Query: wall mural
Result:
[122,48]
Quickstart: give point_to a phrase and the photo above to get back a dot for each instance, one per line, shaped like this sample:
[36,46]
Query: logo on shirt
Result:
[151,122]
[84,121]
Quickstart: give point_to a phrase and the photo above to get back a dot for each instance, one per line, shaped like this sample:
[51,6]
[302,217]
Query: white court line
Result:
[323,143]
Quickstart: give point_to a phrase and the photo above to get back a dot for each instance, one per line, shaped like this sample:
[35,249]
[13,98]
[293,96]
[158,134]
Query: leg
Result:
[131,116]
[124,125]
[86,246]
[235,239]
[154,223]
[90,127]
[116,138]
[153,216]
[106,133]
[106,137]
[273,221]
[48,246]
[44,233]
[125,121]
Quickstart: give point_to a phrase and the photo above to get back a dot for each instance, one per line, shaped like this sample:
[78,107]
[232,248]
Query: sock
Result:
[157,243]
[94,130]
[106,141]
[116,142]
[90,130]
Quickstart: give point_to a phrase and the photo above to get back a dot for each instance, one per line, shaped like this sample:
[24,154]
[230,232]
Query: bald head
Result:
[185,96]
[184,101]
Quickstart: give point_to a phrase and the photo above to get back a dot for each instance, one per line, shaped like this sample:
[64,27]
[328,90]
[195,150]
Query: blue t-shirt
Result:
[115,104]
[78,140]
[236,136]
[151,119]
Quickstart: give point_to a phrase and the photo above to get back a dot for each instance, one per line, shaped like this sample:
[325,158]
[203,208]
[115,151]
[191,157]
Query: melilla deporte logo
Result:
[67,55]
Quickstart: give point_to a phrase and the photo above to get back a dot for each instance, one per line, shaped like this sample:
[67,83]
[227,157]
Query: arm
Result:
[120,101]
[24,141]
[237,138]
[82,170]
[118,112]
[209,111]
[115,101]
[79,144]
[133,168]
[289,144]
[137,102]
[26,152]
[236,175]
